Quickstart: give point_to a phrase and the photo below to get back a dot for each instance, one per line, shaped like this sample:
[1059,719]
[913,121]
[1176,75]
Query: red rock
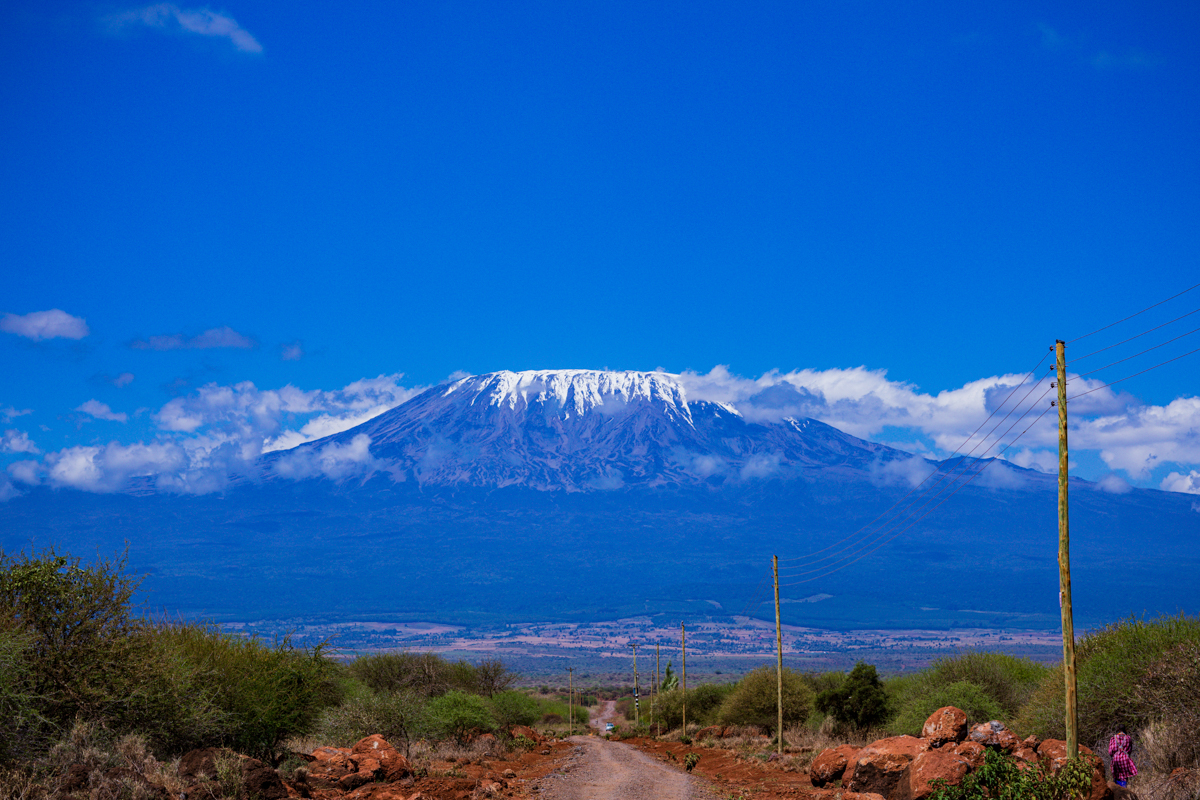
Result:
[994,735]
[711,732]
[350,782]
[199,763]
[947,725]
[326,753]
[831,764]
[391,765]
[259,780]
[1031,742]
[878,766]
[914,783]
[528,733]
[1053,754]
[973,752]
[1026,754]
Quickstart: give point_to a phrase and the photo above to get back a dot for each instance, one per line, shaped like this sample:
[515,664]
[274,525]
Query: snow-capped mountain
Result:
[579,430]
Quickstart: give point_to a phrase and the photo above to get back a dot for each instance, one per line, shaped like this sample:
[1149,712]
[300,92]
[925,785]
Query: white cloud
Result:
[8,490]
[168,16]
[9,413]
[904,472]
[1041,460]
[15,441]
[122,380]
[38,325]
[108,468]
[760,465]
[1114,484]
[210,339]
[26,472]
[101,411]
[292,352]
[1177,482]
[334,460]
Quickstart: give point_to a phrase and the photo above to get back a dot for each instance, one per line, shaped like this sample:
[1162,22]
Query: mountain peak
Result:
[574,390]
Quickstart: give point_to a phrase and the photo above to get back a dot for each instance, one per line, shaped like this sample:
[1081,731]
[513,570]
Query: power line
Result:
[935,472]
[965,467]
[984,466]
[1134,375]
[1135,355]
[1131,316]
[1131,338]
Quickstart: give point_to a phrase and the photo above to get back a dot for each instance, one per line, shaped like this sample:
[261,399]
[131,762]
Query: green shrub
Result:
[1002,778]
[82,654]
[861,699]
[23,727]
[927,696]
[426,674]
[703,704]
[455,714]
[262,693]
[754,700]
[1111,665]
[1008,680]
[515,708]
[398,717]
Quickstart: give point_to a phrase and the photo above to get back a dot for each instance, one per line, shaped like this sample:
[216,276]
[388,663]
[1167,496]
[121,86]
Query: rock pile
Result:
[904,767]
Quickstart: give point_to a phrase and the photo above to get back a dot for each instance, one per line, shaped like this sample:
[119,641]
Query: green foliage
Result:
[670,679]
[82,654]
[1007,680]
[1001,778]
[754,699]
[263,693]
[515,708]
[690,761]
[703,704]
[861,699]
[925,696]
[456,713]
[18,705]
[1111,665]
[398,717]
[820,682]
[430,675]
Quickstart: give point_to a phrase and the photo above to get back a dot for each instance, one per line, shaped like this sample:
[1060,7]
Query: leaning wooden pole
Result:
[571,698]
[1064,558]
[779,655]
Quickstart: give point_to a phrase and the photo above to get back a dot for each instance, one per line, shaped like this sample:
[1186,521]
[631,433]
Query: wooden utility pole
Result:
[779,662]
[571,698]
[683,645]
[1064,558]
[637,713]
[654,691]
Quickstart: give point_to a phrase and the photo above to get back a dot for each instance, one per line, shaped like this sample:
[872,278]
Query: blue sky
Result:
[887,204]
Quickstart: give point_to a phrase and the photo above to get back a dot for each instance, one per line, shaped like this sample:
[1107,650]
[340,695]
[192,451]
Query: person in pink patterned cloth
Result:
[1120,750]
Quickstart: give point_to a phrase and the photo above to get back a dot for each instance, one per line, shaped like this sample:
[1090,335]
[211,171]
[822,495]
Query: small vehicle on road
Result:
[609,727]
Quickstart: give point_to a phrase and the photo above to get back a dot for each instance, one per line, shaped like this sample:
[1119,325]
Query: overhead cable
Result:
[1131,316]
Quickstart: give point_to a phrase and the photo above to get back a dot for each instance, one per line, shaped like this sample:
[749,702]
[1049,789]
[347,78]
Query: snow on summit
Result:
[577,390]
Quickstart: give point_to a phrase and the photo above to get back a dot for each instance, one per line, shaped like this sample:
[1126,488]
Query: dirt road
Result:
[603,770]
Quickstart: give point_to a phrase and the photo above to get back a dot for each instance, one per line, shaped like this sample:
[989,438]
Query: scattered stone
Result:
[994,735]
[831,764]
[879,765]
[944,763]
[947,725]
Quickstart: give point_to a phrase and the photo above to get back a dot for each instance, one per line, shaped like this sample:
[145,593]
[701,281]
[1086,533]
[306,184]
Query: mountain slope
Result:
[581,430]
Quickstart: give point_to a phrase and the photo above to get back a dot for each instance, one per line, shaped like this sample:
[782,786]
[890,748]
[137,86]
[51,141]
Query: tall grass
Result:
[1112,665]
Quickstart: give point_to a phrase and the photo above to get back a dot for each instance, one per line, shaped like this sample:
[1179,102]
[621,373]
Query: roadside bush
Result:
[82,655]
[1004,778]
[754,699]
[455,714]
[22,727]
[1111,666]
[860,701]
[261,694]
[431,675]
[924,697]
[399,717]
[515,708]
[1007,680]
[703,704]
